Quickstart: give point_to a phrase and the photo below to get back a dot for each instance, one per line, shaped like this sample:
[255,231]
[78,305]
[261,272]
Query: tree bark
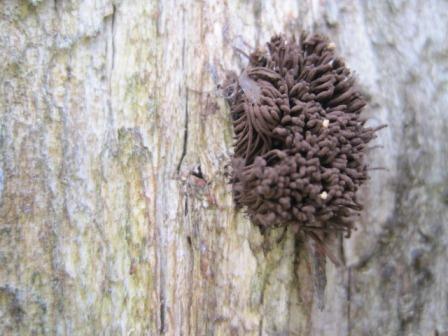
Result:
[116,216]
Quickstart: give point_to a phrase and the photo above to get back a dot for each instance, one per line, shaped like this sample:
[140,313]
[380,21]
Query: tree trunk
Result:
[116,216]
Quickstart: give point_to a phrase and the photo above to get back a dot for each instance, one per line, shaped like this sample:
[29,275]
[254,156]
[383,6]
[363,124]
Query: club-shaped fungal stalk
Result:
[300,140]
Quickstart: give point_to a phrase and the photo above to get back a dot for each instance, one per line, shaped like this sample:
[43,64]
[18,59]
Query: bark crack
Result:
[184,147]
[162,312]
[349,293]
[114,12]
[57,6]
[110,52]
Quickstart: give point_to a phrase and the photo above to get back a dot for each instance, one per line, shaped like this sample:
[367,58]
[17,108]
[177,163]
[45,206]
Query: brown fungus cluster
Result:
[300,139]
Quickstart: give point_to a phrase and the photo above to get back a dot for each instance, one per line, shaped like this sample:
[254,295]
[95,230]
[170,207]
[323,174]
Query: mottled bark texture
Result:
[116,217]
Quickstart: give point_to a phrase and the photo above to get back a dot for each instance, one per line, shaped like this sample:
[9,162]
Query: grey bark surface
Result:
[116,217]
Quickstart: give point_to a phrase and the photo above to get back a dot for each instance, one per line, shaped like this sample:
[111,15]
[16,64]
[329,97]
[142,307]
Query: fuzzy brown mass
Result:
[300,140]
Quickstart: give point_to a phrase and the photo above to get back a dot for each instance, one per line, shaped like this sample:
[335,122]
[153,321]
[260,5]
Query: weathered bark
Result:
[108,107]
